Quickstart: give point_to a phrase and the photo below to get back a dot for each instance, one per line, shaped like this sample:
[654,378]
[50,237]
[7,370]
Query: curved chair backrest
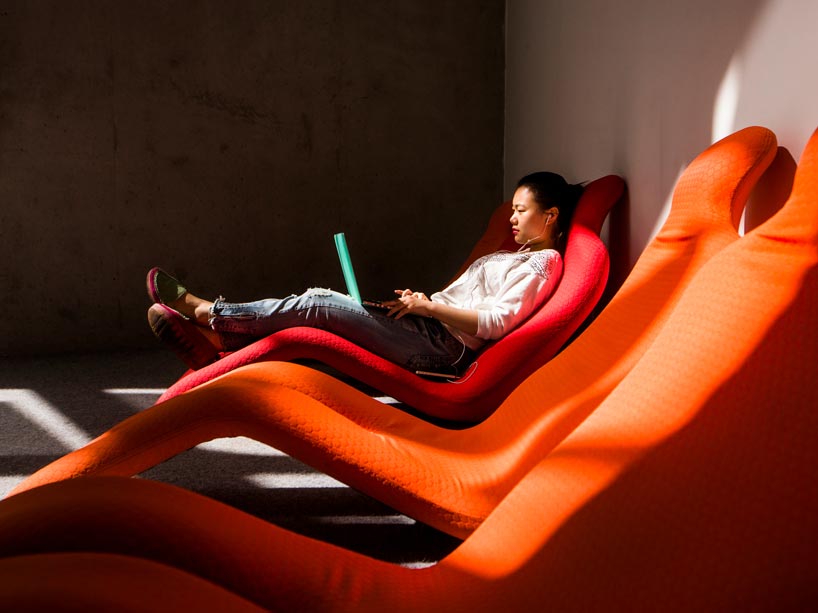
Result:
[501,366]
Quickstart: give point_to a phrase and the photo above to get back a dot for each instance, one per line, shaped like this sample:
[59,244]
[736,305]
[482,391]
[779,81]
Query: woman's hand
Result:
[416,303]
[408,303]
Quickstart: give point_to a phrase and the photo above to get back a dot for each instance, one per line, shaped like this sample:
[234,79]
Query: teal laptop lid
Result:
[346,266]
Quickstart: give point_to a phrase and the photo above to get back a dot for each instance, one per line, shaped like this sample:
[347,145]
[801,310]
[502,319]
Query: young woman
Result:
[440,333]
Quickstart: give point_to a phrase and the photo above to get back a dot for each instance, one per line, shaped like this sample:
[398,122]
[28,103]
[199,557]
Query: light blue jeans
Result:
[416,343]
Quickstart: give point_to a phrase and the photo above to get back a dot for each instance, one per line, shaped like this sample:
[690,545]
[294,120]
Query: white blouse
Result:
[504,288]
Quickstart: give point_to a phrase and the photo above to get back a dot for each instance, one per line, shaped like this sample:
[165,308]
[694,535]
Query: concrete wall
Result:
[228,141]
[640,87]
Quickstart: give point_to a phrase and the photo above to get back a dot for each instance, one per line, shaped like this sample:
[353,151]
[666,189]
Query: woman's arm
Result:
[416,303]
[505,290]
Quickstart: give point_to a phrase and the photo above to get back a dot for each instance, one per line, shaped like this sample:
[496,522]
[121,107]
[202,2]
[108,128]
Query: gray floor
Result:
[52,405]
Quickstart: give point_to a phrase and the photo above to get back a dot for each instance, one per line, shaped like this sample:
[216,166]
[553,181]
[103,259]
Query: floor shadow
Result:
[93,392]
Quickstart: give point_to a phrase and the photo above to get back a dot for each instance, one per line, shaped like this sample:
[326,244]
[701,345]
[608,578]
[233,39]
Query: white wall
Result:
[640,87]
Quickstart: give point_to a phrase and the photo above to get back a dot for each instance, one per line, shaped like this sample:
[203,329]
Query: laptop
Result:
[349,272]
[352,290]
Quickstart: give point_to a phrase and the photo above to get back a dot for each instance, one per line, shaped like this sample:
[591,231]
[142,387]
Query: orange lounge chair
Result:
[691,487]
[450,479]
[103,582]
[501,365]
[772,191]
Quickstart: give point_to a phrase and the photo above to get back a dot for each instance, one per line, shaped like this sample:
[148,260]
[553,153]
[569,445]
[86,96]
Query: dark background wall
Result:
[227,142]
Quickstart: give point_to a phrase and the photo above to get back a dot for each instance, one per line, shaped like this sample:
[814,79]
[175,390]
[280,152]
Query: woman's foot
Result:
[196,346]
[165,289]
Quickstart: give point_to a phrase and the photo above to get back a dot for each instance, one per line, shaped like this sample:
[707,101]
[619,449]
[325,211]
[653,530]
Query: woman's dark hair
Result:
[550,189]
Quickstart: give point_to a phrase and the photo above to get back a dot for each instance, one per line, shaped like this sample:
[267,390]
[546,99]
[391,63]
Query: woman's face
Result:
[529,223]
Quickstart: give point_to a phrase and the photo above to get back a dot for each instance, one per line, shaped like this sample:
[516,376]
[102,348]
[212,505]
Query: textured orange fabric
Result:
[262,563]
[501,365]
[450,479]
[99,582]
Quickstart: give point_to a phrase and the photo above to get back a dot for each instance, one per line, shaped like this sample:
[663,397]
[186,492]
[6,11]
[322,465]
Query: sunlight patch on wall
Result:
[725,107]
[663,214]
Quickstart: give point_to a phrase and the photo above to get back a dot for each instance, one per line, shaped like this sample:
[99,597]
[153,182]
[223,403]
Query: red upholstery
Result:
[501,366]
[450,479]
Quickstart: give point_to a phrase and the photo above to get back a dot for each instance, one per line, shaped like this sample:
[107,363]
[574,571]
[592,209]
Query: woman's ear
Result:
[552,213]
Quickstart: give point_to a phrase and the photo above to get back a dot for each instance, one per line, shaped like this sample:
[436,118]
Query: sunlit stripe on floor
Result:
[240,445]
[398,520]
[293,481]
[8,483]
[136,391]
[386,399]
[38,410]
[418,564]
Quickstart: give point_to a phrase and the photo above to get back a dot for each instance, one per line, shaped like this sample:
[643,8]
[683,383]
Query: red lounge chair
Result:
[501,366]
